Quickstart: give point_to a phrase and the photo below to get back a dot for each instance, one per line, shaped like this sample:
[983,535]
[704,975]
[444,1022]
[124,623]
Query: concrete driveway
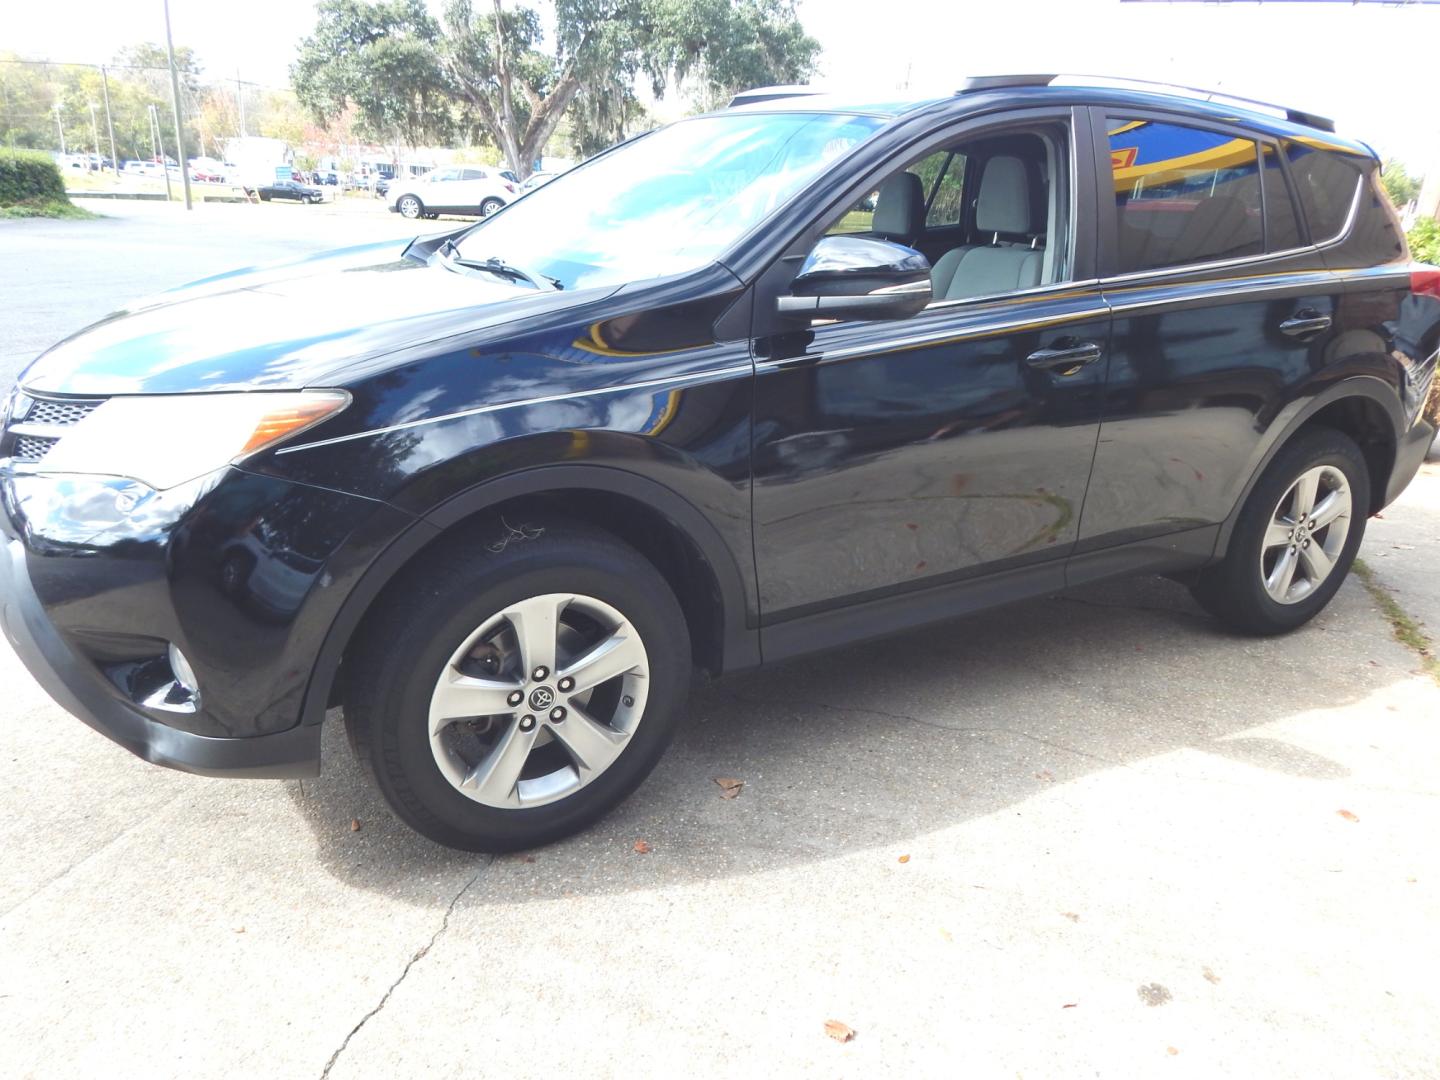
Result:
[1085,836]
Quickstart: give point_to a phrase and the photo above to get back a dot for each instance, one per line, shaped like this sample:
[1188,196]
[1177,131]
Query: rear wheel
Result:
[410,207]
[1296,537]
[490,206]
[506,698]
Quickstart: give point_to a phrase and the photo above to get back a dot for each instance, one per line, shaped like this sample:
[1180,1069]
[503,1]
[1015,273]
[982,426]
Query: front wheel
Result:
[1296,537]
[515,689]
[410,207]
[490,206]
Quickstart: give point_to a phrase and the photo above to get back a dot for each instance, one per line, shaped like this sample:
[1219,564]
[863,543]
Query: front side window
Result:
[1325,182]
[989,212]
[668,202]
[1183,195]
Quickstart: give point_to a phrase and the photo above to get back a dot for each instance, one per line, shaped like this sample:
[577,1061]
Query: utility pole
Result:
[240,100]
[60,128]
[160,141]
[175,100]
[109,123]
[95,133]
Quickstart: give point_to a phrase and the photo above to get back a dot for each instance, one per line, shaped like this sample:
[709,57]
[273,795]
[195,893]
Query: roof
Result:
[1038,89]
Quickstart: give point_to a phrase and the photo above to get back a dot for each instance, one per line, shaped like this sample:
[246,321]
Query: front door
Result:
[897,456]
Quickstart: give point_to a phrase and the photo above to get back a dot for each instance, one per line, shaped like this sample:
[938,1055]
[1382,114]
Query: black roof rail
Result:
[1005,82]
[771,93]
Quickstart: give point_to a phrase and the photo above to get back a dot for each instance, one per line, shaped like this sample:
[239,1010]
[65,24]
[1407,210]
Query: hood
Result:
[287,326]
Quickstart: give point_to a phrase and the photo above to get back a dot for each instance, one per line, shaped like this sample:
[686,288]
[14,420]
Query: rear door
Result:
[1223,309]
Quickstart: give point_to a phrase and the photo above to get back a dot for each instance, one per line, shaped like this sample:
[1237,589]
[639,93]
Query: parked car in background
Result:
[704,402]
[290,189]
[537,179]
[453,189]
[382,186]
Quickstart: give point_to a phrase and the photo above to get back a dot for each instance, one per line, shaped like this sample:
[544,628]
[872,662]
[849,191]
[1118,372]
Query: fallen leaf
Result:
[729,786]
[1374,663]
[642,848]
[840,1032]
[1171,1051]
[1045,774]
[1347,815]
[1210,976]
[1072,1005]
[1154,994]
[238,929]
[354,824]
[1072,916]
[904,858]
[951,937]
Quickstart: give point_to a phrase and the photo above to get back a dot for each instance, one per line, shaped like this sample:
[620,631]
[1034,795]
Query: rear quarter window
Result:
[1325,183]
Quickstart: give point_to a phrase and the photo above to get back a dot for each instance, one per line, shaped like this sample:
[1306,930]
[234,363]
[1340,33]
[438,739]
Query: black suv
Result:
[787,376]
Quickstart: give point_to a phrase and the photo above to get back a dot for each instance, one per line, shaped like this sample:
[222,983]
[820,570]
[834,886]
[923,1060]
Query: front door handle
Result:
[1066,357]
[1305,323]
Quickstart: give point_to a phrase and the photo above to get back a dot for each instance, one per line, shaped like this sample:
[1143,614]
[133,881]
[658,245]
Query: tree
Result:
[383,58]
[518,92]
[1401,186]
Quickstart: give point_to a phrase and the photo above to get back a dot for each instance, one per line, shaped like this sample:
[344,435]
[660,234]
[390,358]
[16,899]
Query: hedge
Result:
[29,176]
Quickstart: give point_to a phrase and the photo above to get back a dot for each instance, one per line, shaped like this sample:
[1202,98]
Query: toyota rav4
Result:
[790,375]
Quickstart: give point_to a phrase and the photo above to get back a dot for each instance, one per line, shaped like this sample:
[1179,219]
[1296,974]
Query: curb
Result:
[151,197]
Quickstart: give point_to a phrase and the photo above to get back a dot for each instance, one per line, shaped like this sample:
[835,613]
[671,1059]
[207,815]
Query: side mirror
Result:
[859,277]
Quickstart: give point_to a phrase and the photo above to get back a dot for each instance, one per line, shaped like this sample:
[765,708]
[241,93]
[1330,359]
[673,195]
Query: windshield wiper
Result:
[494,265]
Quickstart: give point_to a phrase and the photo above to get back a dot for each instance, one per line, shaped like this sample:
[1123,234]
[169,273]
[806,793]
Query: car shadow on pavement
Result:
[878,744]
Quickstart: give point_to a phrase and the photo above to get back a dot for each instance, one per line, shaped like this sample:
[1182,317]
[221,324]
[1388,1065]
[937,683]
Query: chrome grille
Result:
[31,447]
[58,413]
[38,423]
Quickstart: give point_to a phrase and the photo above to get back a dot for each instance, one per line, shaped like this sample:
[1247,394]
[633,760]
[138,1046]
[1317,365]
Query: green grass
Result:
[46,209]
[1406,630]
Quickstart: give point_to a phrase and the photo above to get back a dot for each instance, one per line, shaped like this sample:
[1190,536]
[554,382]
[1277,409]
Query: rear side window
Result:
[1282,227]
[1325,183]
[1183,195]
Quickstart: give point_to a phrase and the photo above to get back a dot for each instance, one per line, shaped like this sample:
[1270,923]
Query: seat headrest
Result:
[1003,205]
[899,207]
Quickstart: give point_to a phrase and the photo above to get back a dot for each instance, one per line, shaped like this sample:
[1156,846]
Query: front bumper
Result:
[77,686]
[243,573]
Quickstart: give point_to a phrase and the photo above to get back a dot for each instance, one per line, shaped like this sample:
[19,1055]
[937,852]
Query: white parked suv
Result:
[458,189]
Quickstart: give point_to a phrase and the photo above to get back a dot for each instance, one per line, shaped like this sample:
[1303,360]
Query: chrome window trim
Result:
[1034,290]
[694,376]
[985,329]
[1220,264]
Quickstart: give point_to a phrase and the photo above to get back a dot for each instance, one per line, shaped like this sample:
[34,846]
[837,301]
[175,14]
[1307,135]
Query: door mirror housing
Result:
[858,277]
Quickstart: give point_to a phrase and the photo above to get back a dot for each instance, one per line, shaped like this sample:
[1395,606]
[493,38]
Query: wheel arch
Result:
[661,524]
[1365,408]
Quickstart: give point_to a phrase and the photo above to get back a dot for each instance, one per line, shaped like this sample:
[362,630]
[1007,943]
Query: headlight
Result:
[165,439]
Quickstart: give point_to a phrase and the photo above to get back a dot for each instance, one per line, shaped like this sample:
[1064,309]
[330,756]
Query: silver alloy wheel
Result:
[538,701]
[1306,534]
[410,207]
[490,206]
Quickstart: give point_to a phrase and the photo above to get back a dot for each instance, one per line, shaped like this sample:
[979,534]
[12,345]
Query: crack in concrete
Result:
[739,699]
[419,955]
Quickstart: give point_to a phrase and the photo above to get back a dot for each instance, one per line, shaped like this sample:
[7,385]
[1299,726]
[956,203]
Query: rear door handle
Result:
[1305,323]
[1066,357]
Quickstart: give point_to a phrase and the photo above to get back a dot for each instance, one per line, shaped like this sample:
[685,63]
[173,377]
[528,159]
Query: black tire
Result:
[490,206]
[430,611]
[410,207]
[1233,590]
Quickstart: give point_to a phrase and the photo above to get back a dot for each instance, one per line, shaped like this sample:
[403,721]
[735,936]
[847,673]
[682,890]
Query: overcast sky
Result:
[1361,64]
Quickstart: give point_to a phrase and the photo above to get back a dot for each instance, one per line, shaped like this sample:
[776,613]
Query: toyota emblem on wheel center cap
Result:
[542,697]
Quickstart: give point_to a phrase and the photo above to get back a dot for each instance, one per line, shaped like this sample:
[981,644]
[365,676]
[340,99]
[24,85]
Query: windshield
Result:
[666,203]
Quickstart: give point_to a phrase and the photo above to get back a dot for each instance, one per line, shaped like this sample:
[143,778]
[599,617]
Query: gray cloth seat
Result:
[899,208]
[1002,207]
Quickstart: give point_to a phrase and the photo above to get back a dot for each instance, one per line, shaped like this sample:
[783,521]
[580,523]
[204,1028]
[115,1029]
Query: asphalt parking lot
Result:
[1083,836]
